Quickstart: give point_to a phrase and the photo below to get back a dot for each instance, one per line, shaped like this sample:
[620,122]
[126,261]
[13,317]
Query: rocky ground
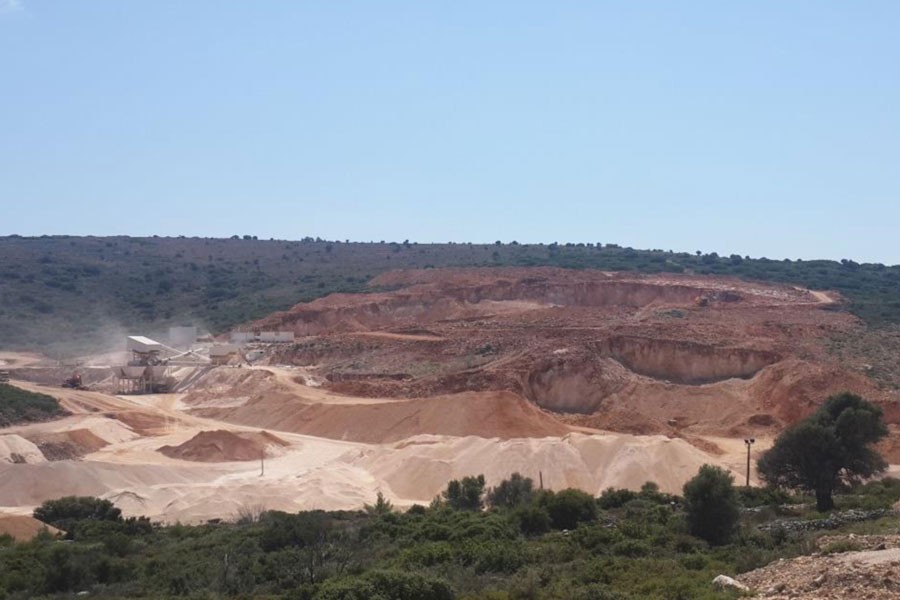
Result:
[678,355]
[872,571]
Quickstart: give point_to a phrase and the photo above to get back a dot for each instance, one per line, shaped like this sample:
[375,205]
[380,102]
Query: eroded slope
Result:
[675,354]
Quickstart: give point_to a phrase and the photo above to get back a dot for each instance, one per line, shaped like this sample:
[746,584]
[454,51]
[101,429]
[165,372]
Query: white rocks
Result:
[724,582]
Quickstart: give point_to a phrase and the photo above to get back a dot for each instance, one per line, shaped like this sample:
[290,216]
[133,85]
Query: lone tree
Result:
[711,505]
[65,513]
[827,450]
[465,494]
[511,492]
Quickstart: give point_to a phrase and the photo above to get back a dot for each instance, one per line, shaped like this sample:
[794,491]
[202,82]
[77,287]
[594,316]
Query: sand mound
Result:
[226,446]
[335,487]
[29,485]
[23,528]
[419,468]
[16,449]
[63,445]
[483,414]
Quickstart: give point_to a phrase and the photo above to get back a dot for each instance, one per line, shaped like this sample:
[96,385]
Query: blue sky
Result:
[758,128]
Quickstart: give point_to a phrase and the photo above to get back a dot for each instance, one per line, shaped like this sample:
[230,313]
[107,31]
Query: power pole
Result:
[749,442]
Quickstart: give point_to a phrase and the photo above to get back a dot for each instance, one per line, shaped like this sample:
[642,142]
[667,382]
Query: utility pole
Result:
[749,442]
[262,463]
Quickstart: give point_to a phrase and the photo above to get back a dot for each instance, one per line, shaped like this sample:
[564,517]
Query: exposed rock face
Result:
[472,293]
[674,354]
[574,386]
[686,362]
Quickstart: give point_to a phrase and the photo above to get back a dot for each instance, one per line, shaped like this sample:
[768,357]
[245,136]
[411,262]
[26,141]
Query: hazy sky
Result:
[767,128]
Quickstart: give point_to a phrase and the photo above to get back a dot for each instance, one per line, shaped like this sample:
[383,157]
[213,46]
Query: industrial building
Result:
[148,370]
[272,337]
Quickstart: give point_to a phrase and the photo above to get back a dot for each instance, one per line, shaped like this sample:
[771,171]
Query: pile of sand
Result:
[23,528]
[502,415]
[17,450]
[30,485]
[337,487]
[419,468]
[226,446]
[73,443]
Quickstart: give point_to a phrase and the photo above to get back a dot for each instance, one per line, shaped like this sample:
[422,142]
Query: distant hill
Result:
[64,295]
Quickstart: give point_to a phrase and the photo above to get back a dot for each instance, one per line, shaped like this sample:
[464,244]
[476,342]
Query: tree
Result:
[63,513]
[568,508]
[465,493]
[711,505]
[828,450]
[511,492]
[381,506]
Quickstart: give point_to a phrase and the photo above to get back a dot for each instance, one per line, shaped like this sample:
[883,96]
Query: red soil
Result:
[23,528]
[485,414]
[224,446]
[677,354]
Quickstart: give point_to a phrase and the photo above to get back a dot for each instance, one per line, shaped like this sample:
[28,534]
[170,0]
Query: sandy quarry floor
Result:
[304,471]
[580,378]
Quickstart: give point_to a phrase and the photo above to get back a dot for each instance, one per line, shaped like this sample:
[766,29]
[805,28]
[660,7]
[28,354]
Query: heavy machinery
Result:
[74,382]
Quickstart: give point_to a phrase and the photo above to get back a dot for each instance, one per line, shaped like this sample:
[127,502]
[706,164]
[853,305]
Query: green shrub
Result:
[568,508]
[21,406]
[531,519]
[65,512]
[281,529]
[763,496]
[511,492]
[429,554]
[385,585]
[597,538]
[694,562]
[615,498]
[465,494]
[631,548]
[840,546]
[711,505]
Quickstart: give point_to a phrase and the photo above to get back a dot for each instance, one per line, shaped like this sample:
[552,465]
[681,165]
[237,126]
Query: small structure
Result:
[270,337]
[182,337]
[143,379]
[254,355]
[146,372]
[224,354]
[144,350]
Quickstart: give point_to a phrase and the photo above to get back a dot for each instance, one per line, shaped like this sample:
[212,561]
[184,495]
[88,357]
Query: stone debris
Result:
[724,582]
[869,574]
[832,521]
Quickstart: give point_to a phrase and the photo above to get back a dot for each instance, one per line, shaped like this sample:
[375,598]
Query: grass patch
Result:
[21,406]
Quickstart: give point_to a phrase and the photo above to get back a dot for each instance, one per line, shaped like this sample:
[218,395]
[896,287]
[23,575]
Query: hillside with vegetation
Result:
[63,294]
[21,406]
